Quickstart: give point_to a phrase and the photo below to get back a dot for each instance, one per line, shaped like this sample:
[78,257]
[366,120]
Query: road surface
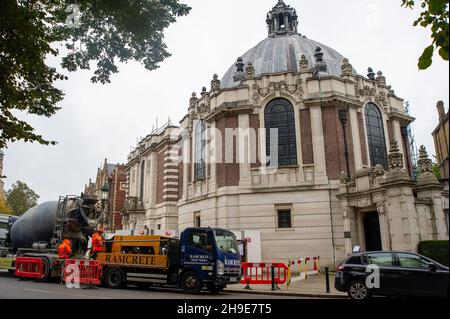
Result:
[14,288]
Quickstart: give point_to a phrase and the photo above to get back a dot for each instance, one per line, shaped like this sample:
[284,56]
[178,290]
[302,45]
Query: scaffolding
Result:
[412,142]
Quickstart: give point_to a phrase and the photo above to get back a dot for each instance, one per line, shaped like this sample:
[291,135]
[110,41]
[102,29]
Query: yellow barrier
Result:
[6,263]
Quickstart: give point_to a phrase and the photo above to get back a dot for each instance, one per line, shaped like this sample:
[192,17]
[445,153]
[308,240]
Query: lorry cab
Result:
[209,256]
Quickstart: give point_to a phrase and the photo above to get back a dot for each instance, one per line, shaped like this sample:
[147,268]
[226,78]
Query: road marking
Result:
[61,293]
[44,291]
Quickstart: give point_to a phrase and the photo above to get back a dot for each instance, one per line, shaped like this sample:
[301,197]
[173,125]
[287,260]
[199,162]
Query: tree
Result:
[437,171]
[4,208]
[21,198]
[434,13]
[79,32]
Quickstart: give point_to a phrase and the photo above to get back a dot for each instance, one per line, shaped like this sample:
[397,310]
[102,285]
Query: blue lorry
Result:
[200,258]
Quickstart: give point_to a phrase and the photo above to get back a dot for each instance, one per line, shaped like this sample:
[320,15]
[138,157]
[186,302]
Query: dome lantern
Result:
[282,19]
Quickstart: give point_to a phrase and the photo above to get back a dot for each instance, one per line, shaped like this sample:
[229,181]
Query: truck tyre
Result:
[191,283]
[47,271]
[358,290]
[114,278]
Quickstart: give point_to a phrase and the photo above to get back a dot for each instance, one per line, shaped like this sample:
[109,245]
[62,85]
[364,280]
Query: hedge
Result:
[434,249]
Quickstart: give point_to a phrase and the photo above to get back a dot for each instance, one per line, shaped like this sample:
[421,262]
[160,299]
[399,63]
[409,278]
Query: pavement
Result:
[312,287]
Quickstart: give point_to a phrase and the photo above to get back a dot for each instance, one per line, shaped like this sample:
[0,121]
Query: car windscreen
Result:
[226,241]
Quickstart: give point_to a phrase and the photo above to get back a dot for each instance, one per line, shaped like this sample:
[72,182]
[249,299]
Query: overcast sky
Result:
[98,121]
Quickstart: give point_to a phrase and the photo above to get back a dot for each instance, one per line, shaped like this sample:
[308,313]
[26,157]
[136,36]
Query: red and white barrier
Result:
[82,271]
[305,267]
[261,273]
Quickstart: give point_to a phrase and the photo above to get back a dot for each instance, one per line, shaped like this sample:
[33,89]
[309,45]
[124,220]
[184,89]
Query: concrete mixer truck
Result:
[38,232]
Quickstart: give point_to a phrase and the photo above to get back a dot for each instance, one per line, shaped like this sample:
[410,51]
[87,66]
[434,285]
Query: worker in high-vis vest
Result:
[64,249]
[97,242]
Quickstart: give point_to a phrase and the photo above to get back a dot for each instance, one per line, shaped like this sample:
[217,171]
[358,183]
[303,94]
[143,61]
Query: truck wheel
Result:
[358,290]
[191,283]
[114,278]
[47,271]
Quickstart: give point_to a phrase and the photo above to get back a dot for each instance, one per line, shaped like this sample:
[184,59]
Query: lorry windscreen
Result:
[226,241]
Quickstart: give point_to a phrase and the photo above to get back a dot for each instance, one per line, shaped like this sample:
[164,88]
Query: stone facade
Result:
[441,144]
[441,141]
[325,194]
[153,182]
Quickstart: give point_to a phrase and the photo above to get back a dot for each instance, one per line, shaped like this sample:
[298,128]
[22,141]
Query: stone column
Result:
[213,154]
[398,135]
[186,161]
[356,140]
[384,226]
[347,215]
[243,149]
[320,170]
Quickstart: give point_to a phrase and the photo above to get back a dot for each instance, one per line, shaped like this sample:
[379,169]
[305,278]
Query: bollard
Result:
[248,286]
[272,269]
[274,284]
[327,280]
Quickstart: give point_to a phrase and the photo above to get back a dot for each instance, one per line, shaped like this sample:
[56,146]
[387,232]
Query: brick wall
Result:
[117,194]
[307,143]
[334,143]
[227,173]
[160,177]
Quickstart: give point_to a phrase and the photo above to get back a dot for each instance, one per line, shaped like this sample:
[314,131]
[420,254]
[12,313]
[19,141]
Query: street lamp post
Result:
[104,198]
[343,119]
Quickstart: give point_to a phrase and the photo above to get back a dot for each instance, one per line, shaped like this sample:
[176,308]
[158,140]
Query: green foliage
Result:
[435,14]
[437,171]
[4,208]
[104,31]
[21,198]
[435,249]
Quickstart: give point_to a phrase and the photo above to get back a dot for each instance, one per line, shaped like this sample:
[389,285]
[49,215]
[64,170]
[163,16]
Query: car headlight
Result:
[220,268]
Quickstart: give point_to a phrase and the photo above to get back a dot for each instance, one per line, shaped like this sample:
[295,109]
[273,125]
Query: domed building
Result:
[291,147]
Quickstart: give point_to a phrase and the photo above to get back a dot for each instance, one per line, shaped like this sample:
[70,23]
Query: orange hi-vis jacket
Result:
[97,242]
[64,249]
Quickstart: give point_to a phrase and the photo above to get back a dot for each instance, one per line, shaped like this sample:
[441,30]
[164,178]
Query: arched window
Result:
[279,114]
[375,135]
[141,189]
[200,151]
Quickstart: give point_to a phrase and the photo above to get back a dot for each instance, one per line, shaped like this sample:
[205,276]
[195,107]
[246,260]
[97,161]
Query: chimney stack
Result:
[441,110]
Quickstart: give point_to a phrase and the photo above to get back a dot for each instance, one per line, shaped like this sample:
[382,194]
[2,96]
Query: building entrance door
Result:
[372,232]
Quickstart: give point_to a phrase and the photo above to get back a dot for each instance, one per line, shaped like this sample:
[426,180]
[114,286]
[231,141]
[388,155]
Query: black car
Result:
[400,274]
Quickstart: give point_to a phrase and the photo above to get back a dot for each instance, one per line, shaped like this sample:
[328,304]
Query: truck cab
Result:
[209,256]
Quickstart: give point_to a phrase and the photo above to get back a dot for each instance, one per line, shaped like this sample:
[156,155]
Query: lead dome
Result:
[282,50]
